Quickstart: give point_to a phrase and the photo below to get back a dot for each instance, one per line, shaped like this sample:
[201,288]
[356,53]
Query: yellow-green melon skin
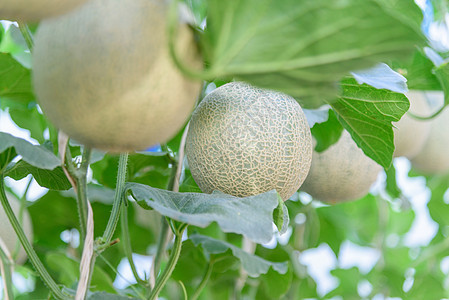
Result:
[410,134]
[341,173]
[7,233]
[434,156]
[104,76]
[244,141]
[35,10]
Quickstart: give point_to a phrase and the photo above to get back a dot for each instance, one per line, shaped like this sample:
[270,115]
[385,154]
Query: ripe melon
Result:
[35,10]
[244,141]
[104,76]
[434,156]
[7,233]
[410,134]
[341,173]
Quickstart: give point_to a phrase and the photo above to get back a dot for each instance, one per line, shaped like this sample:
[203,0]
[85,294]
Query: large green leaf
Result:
[35,155]
[250,216]
[15,80]
[52,179]
[254,265]
[367,114]
[327,133]
[303,47]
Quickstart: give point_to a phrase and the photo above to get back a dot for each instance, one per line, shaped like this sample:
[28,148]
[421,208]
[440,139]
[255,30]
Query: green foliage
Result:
[349,55]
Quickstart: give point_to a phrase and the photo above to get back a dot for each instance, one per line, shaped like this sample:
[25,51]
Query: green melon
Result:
[341,173]
[104,76]
[7,233]
[244,141]
[35,10]
[410,134]
[434,156]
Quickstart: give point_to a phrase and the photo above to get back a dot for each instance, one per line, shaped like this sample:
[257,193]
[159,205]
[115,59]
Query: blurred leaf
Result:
[37,156]
[250,40]
[15,80]
[427,286]
[327,133]
[254,265]
[67,269]
[381,76]
[106,296]
[419,73]
[250,216]
[366,113]
[52,179]
[348,282]
[28,117]
[276,285]
[400,222]
[442,73]
[438,208]
[356,221]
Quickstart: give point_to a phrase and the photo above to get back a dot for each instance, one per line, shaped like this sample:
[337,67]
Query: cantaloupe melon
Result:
[35,10]
[434,156]
[7,233]
[244,140]
[341,173]
[410,133]
[104,76]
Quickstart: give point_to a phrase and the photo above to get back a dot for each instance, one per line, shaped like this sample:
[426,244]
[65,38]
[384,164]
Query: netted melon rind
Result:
[245,141]
[341,173]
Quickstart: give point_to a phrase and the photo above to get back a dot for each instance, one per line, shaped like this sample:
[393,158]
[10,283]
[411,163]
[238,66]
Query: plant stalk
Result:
[119,189]
[204,281]
[127,244]
[174,256]
[81,190]
[45,276]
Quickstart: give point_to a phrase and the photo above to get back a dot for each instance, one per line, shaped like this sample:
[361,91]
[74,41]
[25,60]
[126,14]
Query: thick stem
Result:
[45,276]
[174,256]
[26,35]
[127,244]
[204,281]
[81,190]
[119,189]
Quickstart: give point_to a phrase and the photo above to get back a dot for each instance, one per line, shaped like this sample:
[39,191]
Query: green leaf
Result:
[254,265]
[442,74]
[391,185]
[67,269]
[327,133]
[250,216]
[15,80]
[281,217]
[52,179]
[35,155]
[275,285]
[419,73]
[349,279]
[366,113]
[302,48]
[106,296]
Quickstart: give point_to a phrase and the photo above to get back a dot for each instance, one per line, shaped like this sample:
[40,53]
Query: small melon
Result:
[434,156]
[104,76]
[410,134]
[341,173]
[244,141]
[7,233]
[35,10]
